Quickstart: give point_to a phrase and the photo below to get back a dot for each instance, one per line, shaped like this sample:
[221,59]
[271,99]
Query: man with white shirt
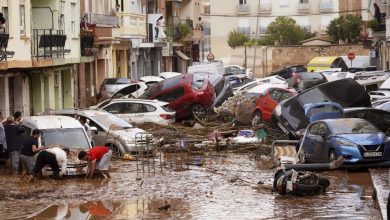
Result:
[54,157]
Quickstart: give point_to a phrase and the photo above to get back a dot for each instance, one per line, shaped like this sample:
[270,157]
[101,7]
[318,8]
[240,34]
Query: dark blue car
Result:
[357,140]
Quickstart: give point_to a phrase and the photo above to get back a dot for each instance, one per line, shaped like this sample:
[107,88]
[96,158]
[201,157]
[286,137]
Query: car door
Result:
[321,143]
[136,111]
[99,135]
[269,102]
[119,109]
[308,145]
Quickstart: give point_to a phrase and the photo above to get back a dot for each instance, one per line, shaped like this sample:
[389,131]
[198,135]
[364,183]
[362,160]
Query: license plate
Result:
[281,127]
[372,154]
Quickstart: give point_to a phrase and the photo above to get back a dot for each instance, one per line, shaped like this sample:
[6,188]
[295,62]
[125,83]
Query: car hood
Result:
[364,139]
[128,133]
[73,156]
[346,92]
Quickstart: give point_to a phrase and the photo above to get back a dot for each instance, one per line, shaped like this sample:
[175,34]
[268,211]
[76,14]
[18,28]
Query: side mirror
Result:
[94,130]
[323,134]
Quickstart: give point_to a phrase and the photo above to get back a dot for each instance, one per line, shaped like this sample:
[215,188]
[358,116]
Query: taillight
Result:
[166,116]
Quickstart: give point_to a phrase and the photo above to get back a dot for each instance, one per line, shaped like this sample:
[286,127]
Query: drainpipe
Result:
[257,32]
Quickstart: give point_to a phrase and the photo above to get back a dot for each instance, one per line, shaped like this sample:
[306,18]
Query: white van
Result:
[63,132]
[213,68]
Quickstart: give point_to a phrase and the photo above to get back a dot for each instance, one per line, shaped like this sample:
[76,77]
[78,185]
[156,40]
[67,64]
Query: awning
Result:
[182,55]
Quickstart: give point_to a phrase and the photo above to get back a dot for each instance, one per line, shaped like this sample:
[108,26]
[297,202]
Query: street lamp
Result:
[257,32]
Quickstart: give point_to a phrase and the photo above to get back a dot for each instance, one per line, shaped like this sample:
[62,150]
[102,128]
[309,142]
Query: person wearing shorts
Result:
[98,158]
[30,147]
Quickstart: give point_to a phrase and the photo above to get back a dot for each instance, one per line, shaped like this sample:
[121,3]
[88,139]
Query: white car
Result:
[133,90]
[239,71]
[140,110]
[379,94]
[167,75]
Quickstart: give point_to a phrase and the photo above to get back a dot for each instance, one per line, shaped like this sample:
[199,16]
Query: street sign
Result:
[210,56]
[351,56]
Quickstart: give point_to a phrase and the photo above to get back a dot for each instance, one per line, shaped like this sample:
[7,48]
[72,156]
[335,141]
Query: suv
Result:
[139,110]
[187,94]
[288,72]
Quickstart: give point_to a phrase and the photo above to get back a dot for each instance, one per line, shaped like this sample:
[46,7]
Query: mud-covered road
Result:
[225,187]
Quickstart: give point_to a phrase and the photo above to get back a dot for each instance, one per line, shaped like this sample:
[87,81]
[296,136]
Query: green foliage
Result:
[345,28]
[284,31]
[373,24]
[184,29]
[250,43]
[236,39]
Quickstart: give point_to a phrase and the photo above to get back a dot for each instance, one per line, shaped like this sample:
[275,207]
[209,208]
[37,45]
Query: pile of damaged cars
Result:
[333,120]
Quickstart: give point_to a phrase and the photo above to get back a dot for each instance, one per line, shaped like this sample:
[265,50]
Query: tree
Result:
[345,29]
[285,31]
[236,39]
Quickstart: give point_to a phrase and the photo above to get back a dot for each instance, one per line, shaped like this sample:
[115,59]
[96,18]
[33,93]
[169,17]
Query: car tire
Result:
[331,156]
[257,121]
[198,110]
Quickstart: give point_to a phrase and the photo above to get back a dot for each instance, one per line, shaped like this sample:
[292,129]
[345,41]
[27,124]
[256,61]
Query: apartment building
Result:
[40,50]
[244,16]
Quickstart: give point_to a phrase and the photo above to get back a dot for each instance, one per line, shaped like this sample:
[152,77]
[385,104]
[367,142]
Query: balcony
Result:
[266,8]
[102,35]
[243,9]
[86,43]
[303,7]
[102,20]
[4,54]
[48,43]
[130,26]
[326,6]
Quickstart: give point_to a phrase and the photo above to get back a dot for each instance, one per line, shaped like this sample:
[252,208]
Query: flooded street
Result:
[225,187]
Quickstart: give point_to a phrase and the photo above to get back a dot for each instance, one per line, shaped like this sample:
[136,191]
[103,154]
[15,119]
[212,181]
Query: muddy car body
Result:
[289,115]
[64,132]
[186,94]
[111,131]
[357,140]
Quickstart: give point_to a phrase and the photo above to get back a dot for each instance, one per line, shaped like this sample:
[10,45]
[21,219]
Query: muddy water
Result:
[224,188]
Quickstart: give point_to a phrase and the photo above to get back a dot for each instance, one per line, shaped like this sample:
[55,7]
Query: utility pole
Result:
[257,33]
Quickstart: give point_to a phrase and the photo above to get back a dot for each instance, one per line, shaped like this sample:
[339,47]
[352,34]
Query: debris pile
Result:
[238,108]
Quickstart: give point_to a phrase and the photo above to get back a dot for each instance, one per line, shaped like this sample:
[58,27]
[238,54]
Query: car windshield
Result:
[353,127]
[65,137]
[110,121]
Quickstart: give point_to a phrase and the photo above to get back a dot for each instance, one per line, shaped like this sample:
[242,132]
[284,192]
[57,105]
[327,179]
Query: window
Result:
[22,22]
[242,2]
[73,20]
[134,108]
[61,18]
[243,26]
[150,108]
[314,129]
[115,108]
[323,129]
[274,94]
[285,95]
[171,95]
[5,14]
[284,3]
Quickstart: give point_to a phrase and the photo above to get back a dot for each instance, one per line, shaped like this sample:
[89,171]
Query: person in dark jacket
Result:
[13,134]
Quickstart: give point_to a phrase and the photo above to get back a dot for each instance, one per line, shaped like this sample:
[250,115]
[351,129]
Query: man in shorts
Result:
[30,147]
[98,158]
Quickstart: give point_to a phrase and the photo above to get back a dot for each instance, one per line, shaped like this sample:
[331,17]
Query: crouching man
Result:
[55,158]
[98,158]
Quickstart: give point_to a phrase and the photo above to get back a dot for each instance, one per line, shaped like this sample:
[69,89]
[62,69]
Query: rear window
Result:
[168,83]
[197,82]
[167,108]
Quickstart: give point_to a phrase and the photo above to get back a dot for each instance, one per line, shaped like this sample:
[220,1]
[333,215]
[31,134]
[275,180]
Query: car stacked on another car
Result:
[110,86]
[139,110]
[288,72]
[187,94]
[304,80]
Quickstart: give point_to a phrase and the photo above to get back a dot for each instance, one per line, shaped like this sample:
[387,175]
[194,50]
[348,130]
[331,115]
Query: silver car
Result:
[109,130]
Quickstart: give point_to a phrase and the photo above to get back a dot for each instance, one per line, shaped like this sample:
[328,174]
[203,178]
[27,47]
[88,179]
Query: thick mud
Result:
[225,187]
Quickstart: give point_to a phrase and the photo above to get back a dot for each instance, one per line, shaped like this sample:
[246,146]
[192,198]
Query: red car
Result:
[187,94]
[267,102]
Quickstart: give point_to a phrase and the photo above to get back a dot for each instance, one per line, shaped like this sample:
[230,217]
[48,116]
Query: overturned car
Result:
[290,116]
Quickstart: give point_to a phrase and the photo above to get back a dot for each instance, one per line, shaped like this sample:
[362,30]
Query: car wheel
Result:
[332,156]
[198,110]
[116,153]
[257,118]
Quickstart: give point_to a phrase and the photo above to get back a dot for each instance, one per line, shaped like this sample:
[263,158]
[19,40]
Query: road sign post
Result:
[351,57]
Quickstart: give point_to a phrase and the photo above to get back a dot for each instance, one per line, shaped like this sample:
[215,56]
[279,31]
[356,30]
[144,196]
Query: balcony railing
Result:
[100,19]
[326,6]
[4,54]
[131,25]
[243,9]
[303,7]
[266,8]
[86,43]
[48,43]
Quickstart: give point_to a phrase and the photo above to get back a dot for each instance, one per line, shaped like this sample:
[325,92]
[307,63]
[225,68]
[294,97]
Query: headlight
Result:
[128,140]
[346,143]
[387,139]
[278,110]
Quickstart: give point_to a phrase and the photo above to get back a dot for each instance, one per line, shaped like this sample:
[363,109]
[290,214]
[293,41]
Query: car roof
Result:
[347,120]
[82,112]
[52,121]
